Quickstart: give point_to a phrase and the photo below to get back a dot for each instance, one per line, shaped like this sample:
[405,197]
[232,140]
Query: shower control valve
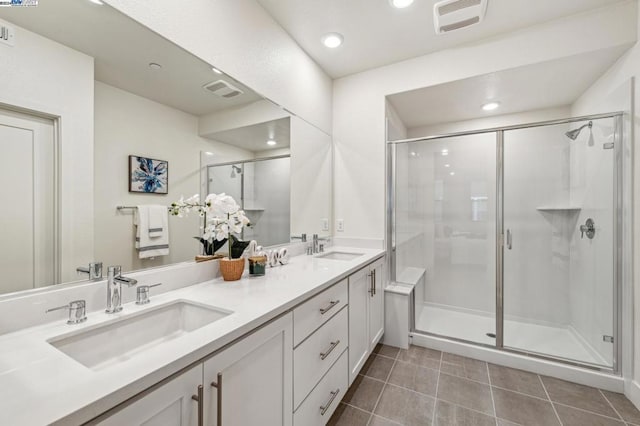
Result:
[588,228]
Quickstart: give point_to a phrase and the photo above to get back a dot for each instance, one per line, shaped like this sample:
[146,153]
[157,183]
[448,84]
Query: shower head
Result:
[573,134]
[235,169]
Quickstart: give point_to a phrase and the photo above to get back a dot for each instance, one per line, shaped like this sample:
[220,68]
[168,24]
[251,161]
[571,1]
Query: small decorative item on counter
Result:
[283,256]
[222,216]
[257,265]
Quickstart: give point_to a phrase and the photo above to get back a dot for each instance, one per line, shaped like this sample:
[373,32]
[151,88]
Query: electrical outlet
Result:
[7,35]
[325,224]
[340,225]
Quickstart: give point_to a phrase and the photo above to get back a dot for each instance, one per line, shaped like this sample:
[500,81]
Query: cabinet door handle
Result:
[329,306]
[326,353]
[375,282]
[371,291]
[199,398]
[325,407]
[218,386]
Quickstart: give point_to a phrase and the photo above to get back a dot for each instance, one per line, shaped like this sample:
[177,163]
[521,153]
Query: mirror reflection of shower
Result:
[261,187]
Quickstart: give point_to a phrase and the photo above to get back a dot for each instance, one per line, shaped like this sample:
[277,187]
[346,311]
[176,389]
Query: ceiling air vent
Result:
[450,15]
[223,89]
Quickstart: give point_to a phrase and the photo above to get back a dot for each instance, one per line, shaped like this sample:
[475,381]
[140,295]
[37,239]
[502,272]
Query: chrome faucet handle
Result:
[302,238]
[142,294]
[94,271]
[77,311]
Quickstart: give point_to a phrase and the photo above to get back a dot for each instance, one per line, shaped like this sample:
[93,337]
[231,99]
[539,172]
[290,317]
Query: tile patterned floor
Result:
[421,386]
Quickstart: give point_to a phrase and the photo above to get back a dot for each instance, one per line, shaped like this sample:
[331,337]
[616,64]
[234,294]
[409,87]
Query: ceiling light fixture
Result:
[447,165]
[155,66]
[401,4]
[490,106]
[332,40]
[216,70]
[445,152]
[98,2]
[271,142]
[452,173]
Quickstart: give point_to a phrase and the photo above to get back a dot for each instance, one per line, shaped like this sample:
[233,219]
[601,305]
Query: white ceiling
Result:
[123,49]
[538,86]
[254,138]
[377,34]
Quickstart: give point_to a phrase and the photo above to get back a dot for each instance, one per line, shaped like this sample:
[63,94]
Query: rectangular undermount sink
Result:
[119,341]
[340,255]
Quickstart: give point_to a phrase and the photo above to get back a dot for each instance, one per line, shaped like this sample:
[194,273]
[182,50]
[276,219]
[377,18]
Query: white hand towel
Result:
[157,218]
[147,246]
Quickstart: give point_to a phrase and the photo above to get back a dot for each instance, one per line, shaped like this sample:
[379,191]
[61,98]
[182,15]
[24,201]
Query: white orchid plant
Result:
[221,214]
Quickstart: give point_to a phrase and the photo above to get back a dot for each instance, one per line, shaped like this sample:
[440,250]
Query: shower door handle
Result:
[509,239]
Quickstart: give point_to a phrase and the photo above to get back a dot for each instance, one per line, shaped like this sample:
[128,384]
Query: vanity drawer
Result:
[313,358]
[325,397]
[316,311]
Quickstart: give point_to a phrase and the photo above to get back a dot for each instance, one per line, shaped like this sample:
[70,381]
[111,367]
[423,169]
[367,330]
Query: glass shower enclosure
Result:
[515,230]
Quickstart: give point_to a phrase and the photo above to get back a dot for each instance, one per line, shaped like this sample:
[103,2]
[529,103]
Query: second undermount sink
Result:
[119,341]
[340,255]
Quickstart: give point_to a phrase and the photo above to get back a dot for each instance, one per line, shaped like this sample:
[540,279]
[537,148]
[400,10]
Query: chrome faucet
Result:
[114,288]
[94,271]
[317,247]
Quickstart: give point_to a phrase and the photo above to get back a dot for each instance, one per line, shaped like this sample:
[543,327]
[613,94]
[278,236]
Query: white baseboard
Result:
[632,391]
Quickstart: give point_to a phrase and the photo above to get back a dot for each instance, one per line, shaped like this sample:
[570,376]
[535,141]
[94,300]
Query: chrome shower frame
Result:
[618,192]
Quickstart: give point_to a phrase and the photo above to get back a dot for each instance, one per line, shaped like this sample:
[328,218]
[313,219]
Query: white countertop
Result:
[41,385]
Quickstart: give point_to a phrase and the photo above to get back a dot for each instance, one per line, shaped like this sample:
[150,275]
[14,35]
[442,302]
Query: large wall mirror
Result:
[84,87]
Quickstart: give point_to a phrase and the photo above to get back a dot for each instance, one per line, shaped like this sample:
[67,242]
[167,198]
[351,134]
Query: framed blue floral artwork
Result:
[148,176]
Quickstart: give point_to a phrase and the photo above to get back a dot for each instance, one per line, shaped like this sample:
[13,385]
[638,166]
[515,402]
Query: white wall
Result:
[240,38]
[49,78]
[359,100]
[127,124]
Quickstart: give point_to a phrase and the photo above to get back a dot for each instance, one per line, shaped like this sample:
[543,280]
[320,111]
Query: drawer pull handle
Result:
[326,353]
[325,407]
[328,308]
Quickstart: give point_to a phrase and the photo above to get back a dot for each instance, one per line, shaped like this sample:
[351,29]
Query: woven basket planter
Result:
[231,269]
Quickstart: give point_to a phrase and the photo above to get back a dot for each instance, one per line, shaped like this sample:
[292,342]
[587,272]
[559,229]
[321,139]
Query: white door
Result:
[376,304]
[359,287]
[27,173]
[251,383]
[169,405]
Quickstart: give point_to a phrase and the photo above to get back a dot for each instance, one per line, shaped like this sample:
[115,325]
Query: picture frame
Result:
[148,175]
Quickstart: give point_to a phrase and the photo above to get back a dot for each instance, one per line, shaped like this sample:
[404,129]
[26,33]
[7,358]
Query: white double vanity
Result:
[281,349]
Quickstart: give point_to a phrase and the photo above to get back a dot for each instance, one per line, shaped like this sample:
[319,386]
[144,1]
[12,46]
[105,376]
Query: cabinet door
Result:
[170,404]
[359,287]
[376,304]
[250,383]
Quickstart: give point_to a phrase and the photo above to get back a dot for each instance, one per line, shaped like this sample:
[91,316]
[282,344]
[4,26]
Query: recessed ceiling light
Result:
[98,2]
[490,106]
[332,40]
[216,70]
[271,142]
[400,4]
[155,66]
[447,165]
[452,173]
[445,152]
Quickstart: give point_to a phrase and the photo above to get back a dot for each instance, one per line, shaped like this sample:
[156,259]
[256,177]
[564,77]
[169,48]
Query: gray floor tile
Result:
[448,414]
[405,406]
[377,367]
[386,350]
[574,417]
[381,421]
[523,409]
[412,376]
[364,393]
[349,416]
[464,367]
[516,380]
[623,406]
[578,396]
[465,393]
[503,422]
[421,356]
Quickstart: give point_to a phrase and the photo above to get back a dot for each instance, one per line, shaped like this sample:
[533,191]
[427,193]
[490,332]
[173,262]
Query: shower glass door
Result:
[445,227]
[558,263]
